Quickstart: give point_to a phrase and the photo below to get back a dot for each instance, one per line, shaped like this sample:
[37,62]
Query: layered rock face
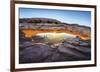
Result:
[45,52]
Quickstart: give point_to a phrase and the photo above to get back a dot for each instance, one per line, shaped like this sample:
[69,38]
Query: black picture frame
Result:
[13,34]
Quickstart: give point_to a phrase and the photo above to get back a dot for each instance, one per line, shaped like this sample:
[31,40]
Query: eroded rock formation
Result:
[49,25]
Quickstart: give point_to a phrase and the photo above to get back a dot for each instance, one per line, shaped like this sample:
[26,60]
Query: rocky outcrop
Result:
[45,52]
[34,53]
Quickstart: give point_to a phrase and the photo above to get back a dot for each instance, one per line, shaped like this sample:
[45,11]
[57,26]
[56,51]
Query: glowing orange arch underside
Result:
[30,32]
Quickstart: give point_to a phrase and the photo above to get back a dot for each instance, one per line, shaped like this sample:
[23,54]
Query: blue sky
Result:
[67,16]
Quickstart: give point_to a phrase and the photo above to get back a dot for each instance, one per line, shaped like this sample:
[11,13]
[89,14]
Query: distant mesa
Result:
[38,20]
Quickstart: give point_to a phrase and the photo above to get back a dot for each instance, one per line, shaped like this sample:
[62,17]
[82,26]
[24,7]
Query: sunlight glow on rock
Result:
[56,37]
